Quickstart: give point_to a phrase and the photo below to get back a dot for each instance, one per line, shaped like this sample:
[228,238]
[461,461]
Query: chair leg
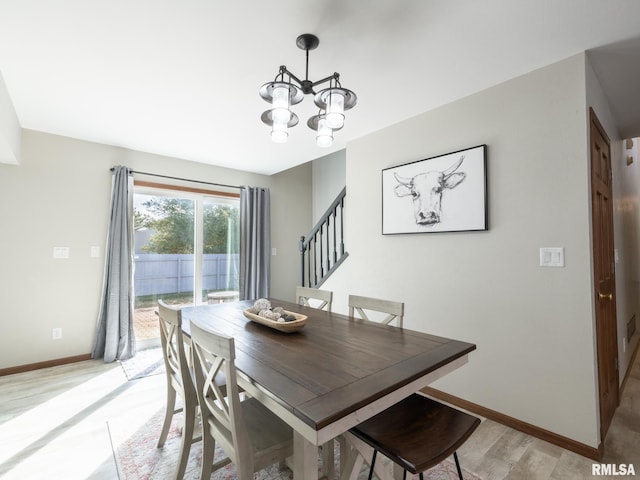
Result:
[188,423]
[171,406]
[455,457]
[208,450]
[373,462]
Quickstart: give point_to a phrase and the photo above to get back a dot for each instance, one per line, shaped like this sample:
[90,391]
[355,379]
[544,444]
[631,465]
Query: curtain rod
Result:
[182,179]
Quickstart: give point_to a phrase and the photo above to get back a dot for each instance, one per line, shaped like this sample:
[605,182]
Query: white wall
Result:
[290,218]
[329,174]
[626,187]
[59,196]
[627,243]
[9,128]
[533,326]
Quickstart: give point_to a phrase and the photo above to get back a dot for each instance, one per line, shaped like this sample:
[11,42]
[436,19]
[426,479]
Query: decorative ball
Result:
[269,314]
[260,304]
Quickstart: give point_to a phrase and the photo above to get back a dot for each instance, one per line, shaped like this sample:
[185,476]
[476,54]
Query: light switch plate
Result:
[60,252]
[552,257]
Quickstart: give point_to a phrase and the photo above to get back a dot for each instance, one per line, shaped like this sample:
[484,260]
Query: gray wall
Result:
[533,326]
[59,196]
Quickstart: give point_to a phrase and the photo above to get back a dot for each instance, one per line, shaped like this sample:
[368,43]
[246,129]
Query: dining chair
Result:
[179,382]
[306,295]
[417,433]
[322,300]
[360,305]
[250,434]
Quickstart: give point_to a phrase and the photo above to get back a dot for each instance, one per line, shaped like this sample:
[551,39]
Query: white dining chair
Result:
[322,300]
[314,297]
[179,382]
[250,434]
[394,311]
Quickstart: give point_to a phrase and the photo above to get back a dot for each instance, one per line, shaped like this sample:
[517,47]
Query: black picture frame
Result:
[446,193]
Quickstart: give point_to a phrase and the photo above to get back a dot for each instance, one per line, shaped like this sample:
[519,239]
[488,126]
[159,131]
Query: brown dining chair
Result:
[394,311]
[417,433]
[314,297]
[250,434]
[179,382]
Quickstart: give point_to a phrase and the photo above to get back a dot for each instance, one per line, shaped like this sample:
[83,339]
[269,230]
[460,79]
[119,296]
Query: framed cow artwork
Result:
[447,193]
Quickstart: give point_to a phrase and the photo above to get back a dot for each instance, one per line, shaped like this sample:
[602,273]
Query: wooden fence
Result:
[157,274]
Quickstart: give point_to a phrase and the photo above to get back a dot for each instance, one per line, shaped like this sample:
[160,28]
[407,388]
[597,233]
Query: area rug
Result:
[144,363]
[137,458]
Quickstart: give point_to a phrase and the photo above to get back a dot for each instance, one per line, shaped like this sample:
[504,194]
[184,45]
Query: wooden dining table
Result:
[331,374]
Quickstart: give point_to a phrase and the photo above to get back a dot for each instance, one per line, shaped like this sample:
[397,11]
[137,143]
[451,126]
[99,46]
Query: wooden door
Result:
[604,273]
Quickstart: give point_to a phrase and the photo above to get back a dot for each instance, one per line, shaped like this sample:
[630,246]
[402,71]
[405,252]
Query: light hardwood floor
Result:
[53,425]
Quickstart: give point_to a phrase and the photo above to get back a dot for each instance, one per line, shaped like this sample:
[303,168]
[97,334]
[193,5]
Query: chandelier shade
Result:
[283,93]
[295,93]
[324,132]
[280,120]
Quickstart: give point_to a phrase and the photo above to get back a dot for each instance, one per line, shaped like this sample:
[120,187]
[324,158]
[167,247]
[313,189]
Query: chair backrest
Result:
[394,310]
[214,354]
[324,298]
[173,349]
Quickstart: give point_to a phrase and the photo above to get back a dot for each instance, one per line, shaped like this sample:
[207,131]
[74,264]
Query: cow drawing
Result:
[426,190]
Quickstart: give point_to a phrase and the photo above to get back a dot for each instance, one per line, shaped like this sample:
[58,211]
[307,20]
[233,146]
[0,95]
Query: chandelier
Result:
[287,90]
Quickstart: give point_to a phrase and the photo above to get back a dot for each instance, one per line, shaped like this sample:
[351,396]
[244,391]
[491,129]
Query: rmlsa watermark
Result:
[613,469]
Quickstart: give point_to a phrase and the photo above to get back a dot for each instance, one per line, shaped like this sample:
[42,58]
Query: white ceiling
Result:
[181,78]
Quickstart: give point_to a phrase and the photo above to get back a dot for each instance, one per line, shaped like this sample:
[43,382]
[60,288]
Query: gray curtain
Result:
[114,338]
[255,242]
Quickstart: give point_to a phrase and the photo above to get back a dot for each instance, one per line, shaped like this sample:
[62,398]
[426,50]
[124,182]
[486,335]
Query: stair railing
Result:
[322,250]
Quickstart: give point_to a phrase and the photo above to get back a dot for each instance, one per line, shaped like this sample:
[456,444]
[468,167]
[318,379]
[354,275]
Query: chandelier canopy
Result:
[287,90]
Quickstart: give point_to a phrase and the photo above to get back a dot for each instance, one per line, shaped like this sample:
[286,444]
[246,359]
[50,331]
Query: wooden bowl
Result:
[287,327]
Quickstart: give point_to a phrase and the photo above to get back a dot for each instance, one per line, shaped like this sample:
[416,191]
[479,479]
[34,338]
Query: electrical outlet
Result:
[56,333]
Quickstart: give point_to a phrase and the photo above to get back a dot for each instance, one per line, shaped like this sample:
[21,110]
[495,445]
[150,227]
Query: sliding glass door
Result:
[220,250]
[186,252]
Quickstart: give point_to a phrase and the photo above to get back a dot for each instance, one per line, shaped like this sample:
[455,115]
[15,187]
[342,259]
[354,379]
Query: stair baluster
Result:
[320,254]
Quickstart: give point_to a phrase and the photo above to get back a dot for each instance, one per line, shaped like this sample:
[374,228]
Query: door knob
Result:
[605,296]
